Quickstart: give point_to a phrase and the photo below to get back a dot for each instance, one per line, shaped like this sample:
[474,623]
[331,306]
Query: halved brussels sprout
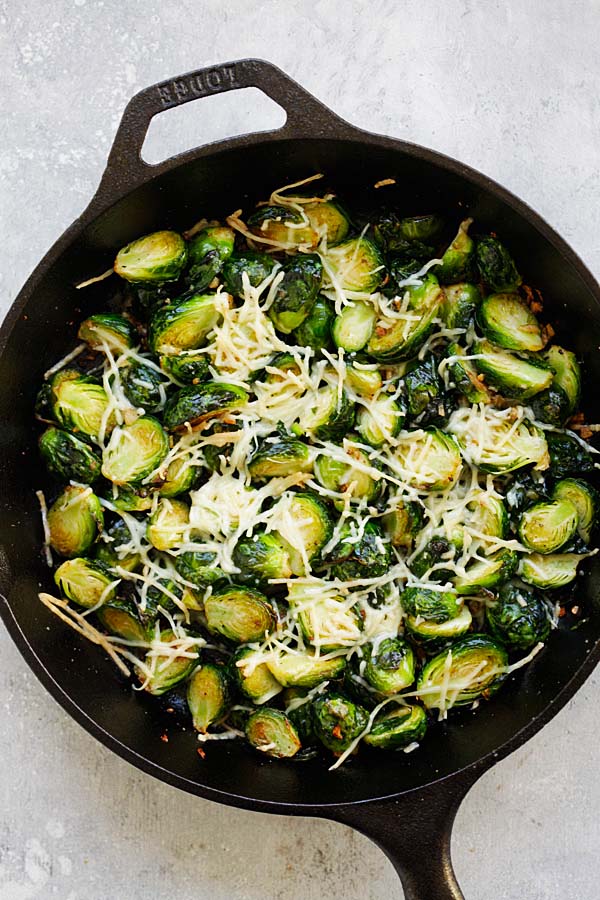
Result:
[357,264]
[69,458]
[119,616]
[342,477]
[546,527]
[465,376]
[549,571]
[460,304]
[74,520]
[457,261]
[402,524]
[297,292]
[186,368]
[285,224]
[567,455]
[424,390]
[181,476]
[499,442]
[420,228]
[301,717]
[142,387]
[551,406]
[473,666]
[436,635]
[262,557]
[183,324]
[399,338]
[327,621]
[397,237]
[487,574]
[430,459]
[380,421]
[271,732]
[134,451]
[168,524]
[513,376]
[354,325]
[208,695]
[153,258]
[508,322]
[585,500]
[496,265]
[365,380]
[329,220]
[328,417]
[279,457]
[167,669]
[368,557]
[85,581]
[567,374]
[208,250]
[107,330]
[390,665]
[196,404]
[305,527]
[80,404]
[133,499]
[256,683]
[437,552]
[108,548]
[240,614]
[305,670]
[488,515]
[397,727]
[519,618]
[435,606]
[315,330]
[198,567]
[338,721]
[257,266]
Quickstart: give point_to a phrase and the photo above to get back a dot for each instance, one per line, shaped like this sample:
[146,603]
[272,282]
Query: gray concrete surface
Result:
[510,87]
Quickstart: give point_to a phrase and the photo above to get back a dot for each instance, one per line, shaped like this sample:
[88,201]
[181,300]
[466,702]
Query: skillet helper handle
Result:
[306,116]
[415,832]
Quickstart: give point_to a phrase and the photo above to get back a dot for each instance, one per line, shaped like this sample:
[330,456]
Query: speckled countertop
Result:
[509,87]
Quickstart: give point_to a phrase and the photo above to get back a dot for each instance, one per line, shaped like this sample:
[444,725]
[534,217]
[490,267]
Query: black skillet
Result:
[405,803]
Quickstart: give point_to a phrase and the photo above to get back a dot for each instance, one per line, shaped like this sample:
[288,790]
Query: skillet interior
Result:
[76,672]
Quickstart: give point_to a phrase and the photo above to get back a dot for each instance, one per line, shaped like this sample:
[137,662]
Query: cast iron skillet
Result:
[405,803]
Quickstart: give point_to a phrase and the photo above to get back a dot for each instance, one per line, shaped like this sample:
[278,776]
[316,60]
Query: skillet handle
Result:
[306,116]
[415,831]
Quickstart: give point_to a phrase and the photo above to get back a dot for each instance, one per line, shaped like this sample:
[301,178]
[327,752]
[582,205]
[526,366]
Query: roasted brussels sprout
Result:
[329,220]
[240,614]
[133,499]
[479,574]
[208,695]
[143,387]
[549,571]
[85,581]
[326,620]
[154,258]
[69,458]
[397,339]
[284,224]
[186,368]
[551,406]
[431,560]
[134,451]
[168,524]
[80,404]
[107,330]
[466,377]
[519,618]
[306,526]
[508,322]
[199,567]
[567,455]
[354,325]
[365,379]
[74,520]
[435,635]
[402,524]
[390,665]
[183,324]
[567,374]
[271,732]
[367,557]
[328,417]
[283,456]
[208,250]
[488,515]
[119,616]
[546,527]
[297,292]
[113,547]
[338,721]
[197,403]
[254,681]
[460,304]
[420,228]
[399,238]
[181,476]
[435,606]
[305,670]
[397,727]
[513,376]
[342,477]
[472,667]
[262,557]
[457,261]
[500,442]
[496,265]
[357,264]
[380,421]
[257,266]
[430,459]
[425,400]
[585,500]
[315,330]
[167,669]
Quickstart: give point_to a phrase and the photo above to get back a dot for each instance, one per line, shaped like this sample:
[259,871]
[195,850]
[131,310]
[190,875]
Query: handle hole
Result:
[216,117]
